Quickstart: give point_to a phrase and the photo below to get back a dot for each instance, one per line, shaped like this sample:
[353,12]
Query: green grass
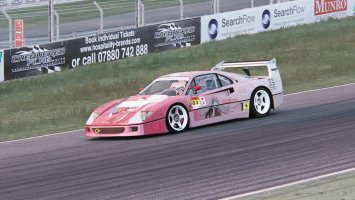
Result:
[340,187]
[310,56]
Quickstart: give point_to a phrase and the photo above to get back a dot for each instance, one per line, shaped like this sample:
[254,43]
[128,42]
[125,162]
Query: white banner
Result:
[284,15]
[351,8]
[271,17]
[1,65]
[230,24]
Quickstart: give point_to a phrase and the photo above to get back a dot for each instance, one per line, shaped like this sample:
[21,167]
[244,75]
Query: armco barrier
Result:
[52,57]
[1,65]
[271,17]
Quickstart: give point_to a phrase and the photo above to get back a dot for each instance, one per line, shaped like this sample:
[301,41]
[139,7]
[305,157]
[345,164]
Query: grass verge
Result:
[309,56]
[341,187]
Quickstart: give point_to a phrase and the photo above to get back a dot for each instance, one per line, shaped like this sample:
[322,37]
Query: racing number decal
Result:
[245,105]
[198,102]
[195,101]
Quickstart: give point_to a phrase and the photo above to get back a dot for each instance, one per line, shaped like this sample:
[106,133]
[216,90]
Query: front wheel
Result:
[260,103]
[177,119]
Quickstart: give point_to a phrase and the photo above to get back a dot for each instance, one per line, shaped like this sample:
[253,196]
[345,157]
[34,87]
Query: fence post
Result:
[215,6]
[101,16]
[10,27]
[50,20]
[56,25]
[142,13]
[218,6]
[139,13]
[181,9]
[252,4]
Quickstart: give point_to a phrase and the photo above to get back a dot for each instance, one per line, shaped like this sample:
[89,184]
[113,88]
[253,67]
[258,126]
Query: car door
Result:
[209,99]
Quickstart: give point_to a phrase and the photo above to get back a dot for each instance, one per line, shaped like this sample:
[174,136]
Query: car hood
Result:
[129,111]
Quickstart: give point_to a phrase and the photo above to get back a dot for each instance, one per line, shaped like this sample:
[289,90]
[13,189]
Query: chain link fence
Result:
[86,17]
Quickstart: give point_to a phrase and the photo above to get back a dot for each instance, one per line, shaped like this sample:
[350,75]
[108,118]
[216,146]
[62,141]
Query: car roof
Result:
[192,74]
[187,74]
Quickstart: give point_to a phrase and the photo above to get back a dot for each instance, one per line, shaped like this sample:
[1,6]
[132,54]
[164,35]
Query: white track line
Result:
[41,136]
[289,184]
[83,129]
[320,89]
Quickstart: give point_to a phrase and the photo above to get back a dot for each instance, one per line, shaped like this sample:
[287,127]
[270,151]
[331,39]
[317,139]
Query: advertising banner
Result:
[18,33]
[2,66]
[351,8]
[133,42]
[324,9]
[253,20]
[53,57]
[288,14]
[33,60]
[271,17]
[230,24]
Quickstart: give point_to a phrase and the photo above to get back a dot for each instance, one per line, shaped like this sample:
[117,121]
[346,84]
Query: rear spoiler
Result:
[271,65]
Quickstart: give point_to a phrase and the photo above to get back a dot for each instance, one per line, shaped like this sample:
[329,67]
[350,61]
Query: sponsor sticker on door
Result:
[246,105]
[198,102]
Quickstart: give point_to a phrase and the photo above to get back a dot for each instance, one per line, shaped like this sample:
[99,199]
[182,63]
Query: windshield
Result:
[166,86]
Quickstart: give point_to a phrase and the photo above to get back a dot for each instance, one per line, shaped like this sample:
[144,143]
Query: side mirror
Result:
[140,90]
[197,88]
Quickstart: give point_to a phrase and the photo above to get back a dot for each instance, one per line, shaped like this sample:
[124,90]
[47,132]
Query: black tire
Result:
[260,102]
[177,119]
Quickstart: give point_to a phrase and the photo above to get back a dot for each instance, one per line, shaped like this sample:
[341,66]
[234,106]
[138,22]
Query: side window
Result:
[206,82]
[190,90]
[224,80]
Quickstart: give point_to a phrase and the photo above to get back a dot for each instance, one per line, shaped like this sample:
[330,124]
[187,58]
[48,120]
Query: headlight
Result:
[145,115]
[92,117]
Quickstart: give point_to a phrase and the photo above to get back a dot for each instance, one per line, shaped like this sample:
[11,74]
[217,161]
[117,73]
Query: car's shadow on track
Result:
[188,131]
[240,120]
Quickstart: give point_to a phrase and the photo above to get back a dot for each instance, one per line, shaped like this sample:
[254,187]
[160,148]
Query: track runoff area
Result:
[313,179]
[260,192]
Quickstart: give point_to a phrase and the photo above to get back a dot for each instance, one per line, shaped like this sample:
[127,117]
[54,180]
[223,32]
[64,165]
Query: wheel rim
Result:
[262,102]
[177,118]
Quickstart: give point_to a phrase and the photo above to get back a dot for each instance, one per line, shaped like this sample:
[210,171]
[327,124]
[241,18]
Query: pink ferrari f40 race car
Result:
[175,102]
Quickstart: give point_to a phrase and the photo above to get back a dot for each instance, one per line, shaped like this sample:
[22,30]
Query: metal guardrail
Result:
[86,17]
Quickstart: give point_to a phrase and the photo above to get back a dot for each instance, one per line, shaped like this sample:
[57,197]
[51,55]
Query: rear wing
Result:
[271,66]
[274,81]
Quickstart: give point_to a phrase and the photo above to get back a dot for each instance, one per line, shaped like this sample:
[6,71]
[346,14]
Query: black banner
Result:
[133,42]
[101,48]
[38,59]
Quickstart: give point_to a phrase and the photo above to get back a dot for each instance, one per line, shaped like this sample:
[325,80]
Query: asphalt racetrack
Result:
[312,134]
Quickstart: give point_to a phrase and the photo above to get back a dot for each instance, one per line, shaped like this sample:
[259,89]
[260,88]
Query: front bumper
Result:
[155,127]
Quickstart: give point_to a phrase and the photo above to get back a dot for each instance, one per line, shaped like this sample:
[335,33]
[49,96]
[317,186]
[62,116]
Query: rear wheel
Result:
[260,103]
[177,119]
